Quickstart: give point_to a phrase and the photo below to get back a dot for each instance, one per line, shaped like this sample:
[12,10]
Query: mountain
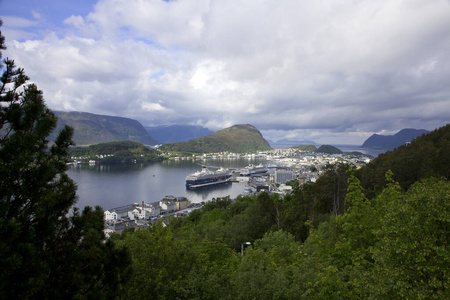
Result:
[390,142]
[307,148]
[426,155]
[176,133]
[238,138]
[94,129]
[288,143]
[328,149]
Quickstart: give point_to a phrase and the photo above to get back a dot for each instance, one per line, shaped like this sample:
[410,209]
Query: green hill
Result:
[117,152]
[307,148]
[92,129]
[328,149]
[427,155]
[238,138]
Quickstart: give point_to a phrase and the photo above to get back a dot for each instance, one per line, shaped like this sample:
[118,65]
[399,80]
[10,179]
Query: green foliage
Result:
[328,149]
[412,256]
[46,251]
[296,212]
[118,152]
[170,267]
[375,249]
[264,272]
[425,156]
[238,138]
[331,189]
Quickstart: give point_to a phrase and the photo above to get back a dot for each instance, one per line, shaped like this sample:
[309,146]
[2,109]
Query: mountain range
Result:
[239,138]
[288,143]
[92,129]
[389,142]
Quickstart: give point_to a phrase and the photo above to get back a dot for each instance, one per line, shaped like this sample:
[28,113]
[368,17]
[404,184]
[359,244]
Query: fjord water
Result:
[113,186]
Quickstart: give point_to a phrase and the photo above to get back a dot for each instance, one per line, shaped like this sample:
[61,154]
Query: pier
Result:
[196,186]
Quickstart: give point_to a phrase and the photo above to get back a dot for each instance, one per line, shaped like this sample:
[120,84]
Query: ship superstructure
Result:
[252,169]
[205,176]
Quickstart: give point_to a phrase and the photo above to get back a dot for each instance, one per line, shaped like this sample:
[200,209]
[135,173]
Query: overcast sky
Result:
[329,71]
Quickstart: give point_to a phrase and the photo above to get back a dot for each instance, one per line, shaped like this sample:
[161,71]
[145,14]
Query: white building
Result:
[284,189]
[138,213]
[110,216]
[168,206]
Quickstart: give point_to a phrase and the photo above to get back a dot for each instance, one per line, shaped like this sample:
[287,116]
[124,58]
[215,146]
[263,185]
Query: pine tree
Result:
[46,250]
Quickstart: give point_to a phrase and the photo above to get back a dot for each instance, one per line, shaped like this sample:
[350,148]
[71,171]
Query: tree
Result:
[342,247]
[264,272]
[44,251]
[332,186]
[297,211]
[412,255]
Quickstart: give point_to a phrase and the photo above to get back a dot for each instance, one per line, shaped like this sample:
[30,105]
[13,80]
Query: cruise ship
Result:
[252,169]
[207,177]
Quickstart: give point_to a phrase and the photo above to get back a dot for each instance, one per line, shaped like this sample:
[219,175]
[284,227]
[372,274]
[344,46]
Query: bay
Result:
[368,151]
[111,186]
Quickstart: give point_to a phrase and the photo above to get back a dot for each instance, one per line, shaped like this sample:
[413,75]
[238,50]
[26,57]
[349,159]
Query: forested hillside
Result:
[427,155]
[328,149]
[238,138]
[117,152]
[308,148]
[328,239]
[390,142]
[92,129]
[376,249]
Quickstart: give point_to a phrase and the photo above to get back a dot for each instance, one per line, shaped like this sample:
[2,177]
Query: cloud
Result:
[320,69]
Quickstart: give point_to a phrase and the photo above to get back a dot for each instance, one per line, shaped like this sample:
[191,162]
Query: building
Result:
[282,176]
[110,215]
[154,210]
[168,206]
[169,198]
[137,213]
[182,203]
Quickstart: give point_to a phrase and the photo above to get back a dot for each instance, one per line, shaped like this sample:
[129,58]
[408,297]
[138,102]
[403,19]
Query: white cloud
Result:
[75,21]
[323,69]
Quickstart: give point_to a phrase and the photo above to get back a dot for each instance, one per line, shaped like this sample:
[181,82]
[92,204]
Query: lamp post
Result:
[242,247]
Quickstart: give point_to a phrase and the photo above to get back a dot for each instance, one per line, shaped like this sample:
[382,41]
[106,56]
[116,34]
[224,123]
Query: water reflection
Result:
[117,185]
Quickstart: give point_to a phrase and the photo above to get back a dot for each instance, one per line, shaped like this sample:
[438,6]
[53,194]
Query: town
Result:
[283,167]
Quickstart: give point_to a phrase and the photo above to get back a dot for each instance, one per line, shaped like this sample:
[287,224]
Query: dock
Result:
[196,186]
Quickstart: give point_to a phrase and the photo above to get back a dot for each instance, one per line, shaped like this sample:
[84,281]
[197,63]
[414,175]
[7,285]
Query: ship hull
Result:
[206,177]
[209,181]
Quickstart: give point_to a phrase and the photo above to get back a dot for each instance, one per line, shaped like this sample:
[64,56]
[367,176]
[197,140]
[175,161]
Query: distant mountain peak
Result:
[91,128]
[237,138]
[390,142]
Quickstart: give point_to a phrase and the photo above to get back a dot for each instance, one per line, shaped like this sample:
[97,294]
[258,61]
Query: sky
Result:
[334,72]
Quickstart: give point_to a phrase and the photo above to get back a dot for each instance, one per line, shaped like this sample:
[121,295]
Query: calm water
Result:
[118,185]
[350,148]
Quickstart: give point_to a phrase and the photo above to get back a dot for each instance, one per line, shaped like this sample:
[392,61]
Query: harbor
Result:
[140,215]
